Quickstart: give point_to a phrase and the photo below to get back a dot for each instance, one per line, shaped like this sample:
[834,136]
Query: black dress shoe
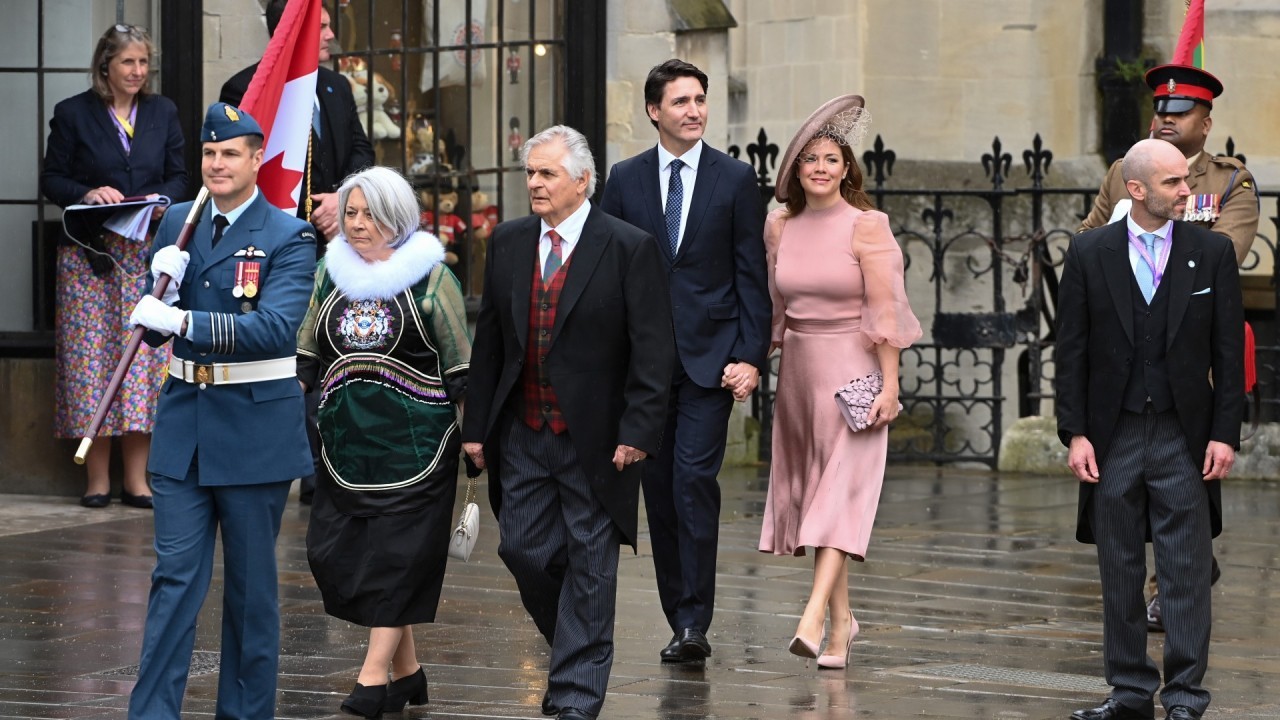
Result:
[1112,710]
[95,501]
[367,701]
[575,714]
[549,708]
[1214,574]
[687,646]
[1154,622]
[138,501]
[671,653]
[408,690]
[1181,712]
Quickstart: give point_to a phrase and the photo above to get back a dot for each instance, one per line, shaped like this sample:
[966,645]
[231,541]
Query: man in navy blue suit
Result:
[704,209]
[230,431]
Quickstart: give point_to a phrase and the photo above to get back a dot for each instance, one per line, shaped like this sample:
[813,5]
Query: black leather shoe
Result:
[549,708]
[408,690]
[137,501]
[1112,710]
[688,645]
[95,501]
[1213,576]
[1154,622]
[671,653]
[367,701]
[1181,712]
[575,714]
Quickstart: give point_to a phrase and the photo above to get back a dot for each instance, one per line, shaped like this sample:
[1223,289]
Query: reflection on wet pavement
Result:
[975,602]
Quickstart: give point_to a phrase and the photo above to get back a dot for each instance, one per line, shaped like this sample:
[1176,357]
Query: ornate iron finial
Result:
[1231,150]
[764,156]
[879,162]
[996,164]
[1037,160]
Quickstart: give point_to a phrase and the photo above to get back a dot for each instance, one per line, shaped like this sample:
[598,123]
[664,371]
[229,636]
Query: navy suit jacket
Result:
[252,432]
[1096,347]
[610,358]
[84,151]
[719,284]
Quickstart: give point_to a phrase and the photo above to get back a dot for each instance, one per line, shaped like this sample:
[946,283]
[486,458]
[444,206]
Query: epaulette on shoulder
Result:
[1229,160]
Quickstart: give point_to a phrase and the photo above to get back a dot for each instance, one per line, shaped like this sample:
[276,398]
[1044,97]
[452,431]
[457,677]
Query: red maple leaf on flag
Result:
[279,192]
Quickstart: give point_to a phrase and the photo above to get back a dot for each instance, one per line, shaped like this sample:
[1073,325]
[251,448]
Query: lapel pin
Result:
[1191,263]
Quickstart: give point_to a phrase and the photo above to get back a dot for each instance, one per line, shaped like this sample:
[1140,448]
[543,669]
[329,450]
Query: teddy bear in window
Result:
[452,227]
[371,88]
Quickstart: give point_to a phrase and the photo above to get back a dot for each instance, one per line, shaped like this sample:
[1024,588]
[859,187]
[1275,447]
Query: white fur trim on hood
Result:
[360,279]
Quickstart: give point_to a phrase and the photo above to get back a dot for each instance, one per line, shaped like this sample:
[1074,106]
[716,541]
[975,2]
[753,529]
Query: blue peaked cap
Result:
[224,122]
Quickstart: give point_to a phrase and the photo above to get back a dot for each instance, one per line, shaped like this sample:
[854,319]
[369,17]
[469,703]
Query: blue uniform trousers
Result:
[188,517]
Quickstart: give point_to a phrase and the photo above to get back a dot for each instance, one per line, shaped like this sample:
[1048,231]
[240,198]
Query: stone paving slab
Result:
[975,602]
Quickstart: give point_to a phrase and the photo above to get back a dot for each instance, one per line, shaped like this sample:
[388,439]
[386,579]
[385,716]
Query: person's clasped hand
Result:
[171,261]
[153,314]
[324,213]
[105,195]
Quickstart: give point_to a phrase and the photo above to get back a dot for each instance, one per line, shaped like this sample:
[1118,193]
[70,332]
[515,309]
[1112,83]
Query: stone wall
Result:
[235,34]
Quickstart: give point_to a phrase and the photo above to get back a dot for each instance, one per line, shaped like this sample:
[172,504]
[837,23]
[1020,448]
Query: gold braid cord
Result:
[306,188]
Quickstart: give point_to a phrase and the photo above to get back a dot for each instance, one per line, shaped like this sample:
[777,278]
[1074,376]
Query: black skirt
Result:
[385,570]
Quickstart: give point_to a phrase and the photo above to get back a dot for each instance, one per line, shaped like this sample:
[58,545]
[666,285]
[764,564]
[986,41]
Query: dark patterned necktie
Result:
[675,200]
[220,223]
[554,258]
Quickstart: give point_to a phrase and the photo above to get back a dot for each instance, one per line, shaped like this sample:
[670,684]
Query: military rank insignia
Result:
[248,277]
[1201,208]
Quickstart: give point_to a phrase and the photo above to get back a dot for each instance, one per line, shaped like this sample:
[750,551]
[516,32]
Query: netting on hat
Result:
[847,127]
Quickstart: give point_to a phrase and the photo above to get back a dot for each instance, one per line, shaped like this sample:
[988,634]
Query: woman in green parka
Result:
[385,342]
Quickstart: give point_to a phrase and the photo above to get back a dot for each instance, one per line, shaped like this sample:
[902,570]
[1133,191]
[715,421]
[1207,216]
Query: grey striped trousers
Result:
[1149,479]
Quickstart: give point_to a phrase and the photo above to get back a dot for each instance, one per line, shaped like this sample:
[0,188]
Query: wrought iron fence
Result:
[990,258]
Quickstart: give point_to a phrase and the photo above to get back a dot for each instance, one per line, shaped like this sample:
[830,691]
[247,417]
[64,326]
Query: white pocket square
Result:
[1202,292]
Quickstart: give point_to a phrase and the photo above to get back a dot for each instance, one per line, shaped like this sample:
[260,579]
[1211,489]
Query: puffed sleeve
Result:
[309,361]
[447,310]
[886,313]
[773,226]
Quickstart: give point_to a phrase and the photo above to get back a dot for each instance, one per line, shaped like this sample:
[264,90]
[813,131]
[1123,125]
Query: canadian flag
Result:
[281,97]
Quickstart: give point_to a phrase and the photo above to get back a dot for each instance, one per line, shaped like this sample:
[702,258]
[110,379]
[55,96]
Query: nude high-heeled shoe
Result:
[803,648]
[838,662]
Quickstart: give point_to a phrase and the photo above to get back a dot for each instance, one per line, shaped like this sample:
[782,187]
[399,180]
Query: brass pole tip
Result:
[83,451]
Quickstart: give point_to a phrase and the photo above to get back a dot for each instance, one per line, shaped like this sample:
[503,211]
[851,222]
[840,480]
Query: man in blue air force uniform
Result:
[230,426]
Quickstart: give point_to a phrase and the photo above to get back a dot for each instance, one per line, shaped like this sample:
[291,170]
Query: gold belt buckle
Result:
[204,373]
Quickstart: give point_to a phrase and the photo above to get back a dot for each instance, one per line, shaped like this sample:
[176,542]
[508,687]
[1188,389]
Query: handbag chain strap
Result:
[471,490]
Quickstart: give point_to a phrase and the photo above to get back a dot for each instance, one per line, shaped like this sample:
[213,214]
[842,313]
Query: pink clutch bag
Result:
[854,399]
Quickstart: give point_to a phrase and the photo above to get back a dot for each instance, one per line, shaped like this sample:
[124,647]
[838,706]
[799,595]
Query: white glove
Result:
[172,262]
[154,314]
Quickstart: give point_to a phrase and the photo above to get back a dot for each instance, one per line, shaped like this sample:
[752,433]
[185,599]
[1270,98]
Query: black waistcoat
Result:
[1148,373]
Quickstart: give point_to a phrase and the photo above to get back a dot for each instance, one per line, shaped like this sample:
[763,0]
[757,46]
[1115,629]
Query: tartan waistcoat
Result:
[540,404]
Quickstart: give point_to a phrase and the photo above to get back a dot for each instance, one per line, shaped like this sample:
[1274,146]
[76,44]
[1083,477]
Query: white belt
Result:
[232,373]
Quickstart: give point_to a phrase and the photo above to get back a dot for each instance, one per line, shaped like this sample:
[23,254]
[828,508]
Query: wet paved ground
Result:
[976,602]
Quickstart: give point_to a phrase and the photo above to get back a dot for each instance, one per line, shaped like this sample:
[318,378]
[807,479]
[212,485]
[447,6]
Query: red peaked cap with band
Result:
[1177,88]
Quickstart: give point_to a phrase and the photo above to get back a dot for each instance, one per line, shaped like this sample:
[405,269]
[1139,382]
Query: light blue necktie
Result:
[675,200]
[1145,272]
[315,116]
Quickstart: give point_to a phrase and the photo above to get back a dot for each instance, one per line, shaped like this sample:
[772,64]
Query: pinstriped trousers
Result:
[1149,479]
[562,547]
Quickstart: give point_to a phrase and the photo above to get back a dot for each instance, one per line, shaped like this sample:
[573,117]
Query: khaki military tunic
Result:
[1211,174]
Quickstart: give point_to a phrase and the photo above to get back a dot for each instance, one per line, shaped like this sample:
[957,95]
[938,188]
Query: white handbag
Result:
[464,536]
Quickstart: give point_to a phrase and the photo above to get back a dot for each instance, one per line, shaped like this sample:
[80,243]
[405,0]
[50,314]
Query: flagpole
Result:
[135,339]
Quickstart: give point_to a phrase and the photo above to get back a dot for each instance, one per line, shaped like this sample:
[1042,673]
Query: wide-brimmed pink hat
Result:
[843,119]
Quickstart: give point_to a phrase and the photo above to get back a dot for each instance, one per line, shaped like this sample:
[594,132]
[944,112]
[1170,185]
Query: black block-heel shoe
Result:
[408,690]
[367,701]
[138,501]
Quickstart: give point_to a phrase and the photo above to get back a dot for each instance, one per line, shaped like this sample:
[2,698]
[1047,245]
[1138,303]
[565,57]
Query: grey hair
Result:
[576,162]
[391,199]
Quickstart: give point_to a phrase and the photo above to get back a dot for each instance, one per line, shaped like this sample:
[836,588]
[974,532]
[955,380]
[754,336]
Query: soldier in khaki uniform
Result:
[1224,197]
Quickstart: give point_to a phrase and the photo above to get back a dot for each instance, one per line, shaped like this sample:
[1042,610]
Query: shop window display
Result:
[448,90]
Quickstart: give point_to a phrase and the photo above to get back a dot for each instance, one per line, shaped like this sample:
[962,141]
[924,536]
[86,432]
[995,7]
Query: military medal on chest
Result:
[248,273]
[1202,208]
[248,279]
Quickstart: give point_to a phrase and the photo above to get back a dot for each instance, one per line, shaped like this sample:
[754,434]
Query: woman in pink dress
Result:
[840,311]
